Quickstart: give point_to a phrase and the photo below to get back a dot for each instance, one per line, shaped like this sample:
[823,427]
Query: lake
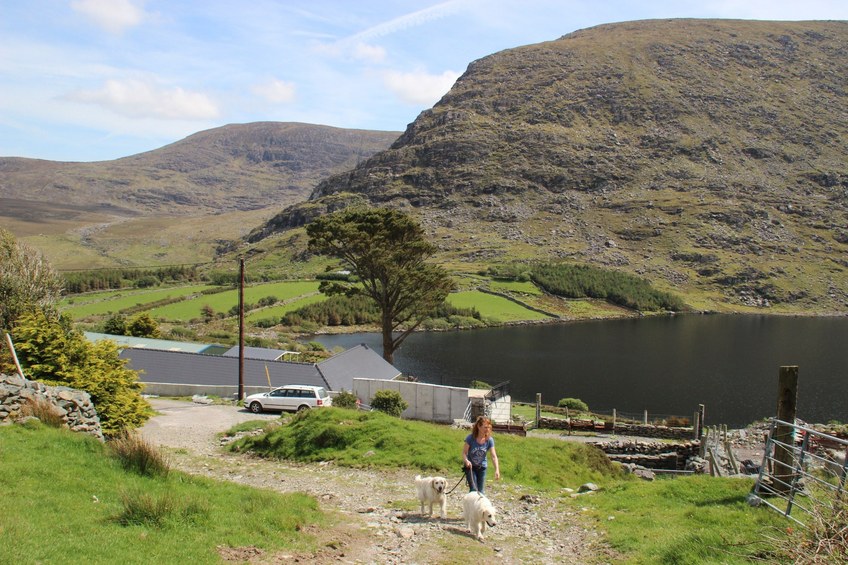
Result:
[666,365]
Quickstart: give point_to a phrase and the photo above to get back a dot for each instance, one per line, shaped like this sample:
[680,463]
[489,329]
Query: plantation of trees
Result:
[109,279]
[584,281]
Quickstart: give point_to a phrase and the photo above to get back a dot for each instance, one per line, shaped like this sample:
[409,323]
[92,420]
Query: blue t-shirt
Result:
[477,451]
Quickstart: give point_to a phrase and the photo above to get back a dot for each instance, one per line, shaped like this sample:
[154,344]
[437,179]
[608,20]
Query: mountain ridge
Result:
[232,167]
[705,155]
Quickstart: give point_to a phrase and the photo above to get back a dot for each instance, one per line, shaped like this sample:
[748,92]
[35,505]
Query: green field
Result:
[276,312]
[113,301]
[493,308]
[224,301]
[525,287]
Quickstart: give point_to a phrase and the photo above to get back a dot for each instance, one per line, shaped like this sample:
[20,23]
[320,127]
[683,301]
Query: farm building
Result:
[184,369]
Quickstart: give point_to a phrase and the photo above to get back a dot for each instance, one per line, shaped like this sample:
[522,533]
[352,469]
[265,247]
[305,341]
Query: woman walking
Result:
[477,445]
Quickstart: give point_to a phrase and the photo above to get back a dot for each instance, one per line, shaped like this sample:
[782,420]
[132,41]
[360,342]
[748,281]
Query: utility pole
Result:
[241,330]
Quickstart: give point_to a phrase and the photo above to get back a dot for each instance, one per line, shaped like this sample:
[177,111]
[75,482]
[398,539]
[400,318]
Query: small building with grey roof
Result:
[169,368]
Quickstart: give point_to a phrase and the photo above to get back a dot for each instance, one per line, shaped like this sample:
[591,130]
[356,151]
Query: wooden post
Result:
[696,423]
[784,436]
[613,420]
[538,407]
[14,355]
[701,420]
[645,418]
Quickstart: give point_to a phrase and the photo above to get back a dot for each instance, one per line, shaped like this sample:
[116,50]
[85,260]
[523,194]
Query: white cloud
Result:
[370,53]
[112,15]
[420,87]
[276,91]
[138,99]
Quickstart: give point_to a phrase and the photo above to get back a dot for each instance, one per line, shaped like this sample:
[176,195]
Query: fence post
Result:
[538,407]
[701,420]
[645,418]
[784,436]
[696,425]
[613,420]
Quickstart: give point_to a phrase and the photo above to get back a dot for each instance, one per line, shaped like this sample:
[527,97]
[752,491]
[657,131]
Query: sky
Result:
[91,80]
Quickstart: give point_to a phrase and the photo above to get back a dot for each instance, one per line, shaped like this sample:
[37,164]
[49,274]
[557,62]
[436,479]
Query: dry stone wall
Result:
[75,406]
[641,430]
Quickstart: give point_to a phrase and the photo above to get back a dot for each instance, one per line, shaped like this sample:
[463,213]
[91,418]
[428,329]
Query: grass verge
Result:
[66,487]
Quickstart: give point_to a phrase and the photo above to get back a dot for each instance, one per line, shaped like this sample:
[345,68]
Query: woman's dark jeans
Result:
[478,479]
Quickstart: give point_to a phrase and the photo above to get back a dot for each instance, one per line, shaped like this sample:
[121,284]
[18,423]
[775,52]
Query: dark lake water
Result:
[666,365]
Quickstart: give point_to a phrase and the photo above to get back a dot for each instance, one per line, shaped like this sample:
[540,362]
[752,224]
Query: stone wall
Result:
[73,405]
[652,455]
[642,430]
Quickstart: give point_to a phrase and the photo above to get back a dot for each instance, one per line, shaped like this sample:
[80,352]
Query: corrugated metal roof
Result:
[260,353]
[150,343]
[359,362]
[178,367]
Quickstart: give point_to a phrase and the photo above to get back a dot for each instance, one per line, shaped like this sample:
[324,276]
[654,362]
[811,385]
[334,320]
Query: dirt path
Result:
[376,518]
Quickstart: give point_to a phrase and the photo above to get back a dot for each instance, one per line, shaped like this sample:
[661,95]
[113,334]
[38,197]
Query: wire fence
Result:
[803,470]
[644,417]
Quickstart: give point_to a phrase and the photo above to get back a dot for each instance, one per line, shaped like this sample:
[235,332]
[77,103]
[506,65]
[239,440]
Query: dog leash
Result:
[456,485]
[465,474]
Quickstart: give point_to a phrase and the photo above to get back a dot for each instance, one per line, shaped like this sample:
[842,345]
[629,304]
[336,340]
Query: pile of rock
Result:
[74,406]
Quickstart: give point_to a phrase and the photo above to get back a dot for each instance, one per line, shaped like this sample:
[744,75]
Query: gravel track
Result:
[375,512]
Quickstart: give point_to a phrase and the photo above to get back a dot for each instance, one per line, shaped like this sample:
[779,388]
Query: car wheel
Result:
[255,407]
[303,408]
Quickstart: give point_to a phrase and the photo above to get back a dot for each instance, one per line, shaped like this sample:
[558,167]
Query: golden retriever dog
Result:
[431,490]
[479,513]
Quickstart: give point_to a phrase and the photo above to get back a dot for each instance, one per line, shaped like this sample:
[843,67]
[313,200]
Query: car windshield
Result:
[321,392]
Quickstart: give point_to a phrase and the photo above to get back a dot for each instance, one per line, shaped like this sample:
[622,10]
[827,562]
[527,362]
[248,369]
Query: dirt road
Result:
[378,519]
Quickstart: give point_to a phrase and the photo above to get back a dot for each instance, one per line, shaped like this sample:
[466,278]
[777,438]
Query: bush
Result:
[56,354]
[479,384]
[116,324]
[390,402]
[143,325]
[143,509]
[138,455]
[823,540]
[345,399]
[573,404]
[147,281]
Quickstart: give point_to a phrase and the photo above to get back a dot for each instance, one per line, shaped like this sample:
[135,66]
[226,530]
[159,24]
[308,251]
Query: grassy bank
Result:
[66,500]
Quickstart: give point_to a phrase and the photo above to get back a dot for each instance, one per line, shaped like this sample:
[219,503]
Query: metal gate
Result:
[803,469]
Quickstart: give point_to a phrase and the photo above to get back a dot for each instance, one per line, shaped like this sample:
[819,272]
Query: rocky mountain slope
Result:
[235,167]
[706,155]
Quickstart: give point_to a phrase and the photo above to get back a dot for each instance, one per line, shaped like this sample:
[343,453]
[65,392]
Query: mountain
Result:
[155,207]
[708,156]
[234,167]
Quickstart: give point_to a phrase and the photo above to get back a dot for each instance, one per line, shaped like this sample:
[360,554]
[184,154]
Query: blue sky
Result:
[86,80]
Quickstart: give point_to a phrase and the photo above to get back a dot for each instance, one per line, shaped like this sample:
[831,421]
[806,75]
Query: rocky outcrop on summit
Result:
[636,145]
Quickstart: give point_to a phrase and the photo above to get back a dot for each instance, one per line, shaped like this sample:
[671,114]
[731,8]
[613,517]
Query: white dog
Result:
[431,490]
[478,512]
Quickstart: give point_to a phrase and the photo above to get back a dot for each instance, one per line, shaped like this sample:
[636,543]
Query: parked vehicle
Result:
[289,397]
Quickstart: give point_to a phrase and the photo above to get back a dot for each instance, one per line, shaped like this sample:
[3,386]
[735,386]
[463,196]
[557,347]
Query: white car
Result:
[289,397]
